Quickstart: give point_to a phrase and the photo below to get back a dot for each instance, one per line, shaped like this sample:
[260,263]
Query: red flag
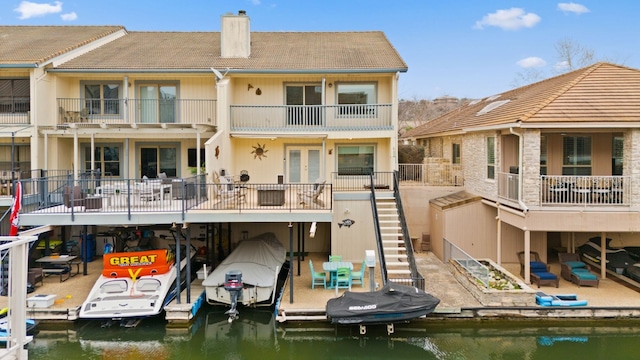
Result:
[14,218]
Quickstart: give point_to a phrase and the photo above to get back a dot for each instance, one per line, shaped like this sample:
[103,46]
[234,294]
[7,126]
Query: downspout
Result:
[524,207]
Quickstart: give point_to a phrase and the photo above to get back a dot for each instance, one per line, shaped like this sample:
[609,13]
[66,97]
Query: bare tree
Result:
[528,76]
[572,55]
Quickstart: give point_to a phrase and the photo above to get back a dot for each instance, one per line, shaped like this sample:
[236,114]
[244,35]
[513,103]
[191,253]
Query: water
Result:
[257,336]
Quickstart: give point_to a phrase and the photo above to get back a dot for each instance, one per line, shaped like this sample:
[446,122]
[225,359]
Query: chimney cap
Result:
[242,12]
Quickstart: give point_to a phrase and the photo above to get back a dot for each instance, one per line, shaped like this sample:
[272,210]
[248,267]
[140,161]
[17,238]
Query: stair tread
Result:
[397,263]
[394,271]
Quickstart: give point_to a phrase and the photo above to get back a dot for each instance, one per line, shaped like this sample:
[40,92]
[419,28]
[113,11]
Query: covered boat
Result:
[618,260]
[393,303]
[134,284]
[249,275]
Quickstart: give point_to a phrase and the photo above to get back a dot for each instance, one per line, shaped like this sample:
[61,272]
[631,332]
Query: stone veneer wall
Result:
[492,297]
[474,153]
[631,163]
[531,167]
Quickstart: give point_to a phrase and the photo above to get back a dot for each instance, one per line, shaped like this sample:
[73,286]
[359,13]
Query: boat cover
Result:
[616,258]
[258,258]
[392,303]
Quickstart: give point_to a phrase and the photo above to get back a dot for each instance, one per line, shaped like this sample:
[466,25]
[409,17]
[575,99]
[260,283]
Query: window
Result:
[356,160]
[102,98]
[618,145]
[455,153]
[355,97]
[158,159]
[543,155]
[491,157]
[304,104]
[576,155]
[21,157]
[14,96]
[107,159]
[192,160]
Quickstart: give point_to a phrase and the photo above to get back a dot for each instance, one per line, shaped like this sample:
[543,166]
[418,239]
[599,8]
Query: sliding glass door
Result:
[158,159]
[157,103]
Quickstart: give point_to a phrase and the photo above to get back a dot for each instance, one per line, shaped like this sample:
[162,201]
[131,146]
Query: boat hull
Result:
[132,295]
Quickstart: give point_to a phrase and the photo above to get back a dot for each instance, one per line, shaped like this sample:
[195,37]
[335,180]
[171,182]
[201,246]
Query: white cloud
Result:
[561,66]
[511,19]
[531,62]
[69,16]
[573,7]
[29,9]
[255,2]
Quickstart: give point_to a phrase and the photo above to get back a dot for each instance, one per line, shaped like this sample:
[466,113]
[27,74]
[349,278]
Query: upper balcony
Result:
[309,118]
[562,191]
[15,111]
[136,112]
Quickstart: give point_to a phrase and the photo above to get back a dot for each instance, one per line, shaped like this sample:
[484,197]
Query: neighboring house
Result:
[271,112]
[25,54]
[546,166]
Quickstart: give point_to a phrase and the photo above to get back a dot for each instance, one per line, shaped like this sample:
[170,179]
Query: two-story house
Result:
[546,166]
[25,55]
[242,130]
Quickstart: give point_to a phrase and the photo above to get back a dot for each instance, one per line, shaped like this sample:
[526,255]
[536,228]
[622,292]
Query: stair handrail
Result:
[416,277]
[378,234]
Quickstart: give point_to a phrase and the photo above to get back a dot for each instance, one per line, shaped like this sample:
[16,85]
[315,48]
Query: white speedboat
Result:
[134,285]
[249,275]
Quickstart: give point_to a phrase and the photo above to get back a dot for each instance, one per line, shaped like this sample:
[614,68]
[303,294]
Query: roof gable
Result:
[33,45]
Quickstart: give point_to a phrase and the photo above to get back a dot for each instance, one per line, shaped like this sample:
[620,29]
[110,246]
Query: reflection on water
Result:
[256,335]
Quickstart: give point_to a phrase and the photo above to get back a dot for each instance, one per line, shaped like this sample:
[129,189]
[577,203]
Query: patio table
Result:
[332,268]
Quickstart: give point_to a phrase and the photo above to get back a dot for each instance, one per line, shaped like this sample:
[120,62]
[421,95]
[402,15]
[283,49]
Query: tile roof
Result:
[601,93]
[275,51]
[27,45]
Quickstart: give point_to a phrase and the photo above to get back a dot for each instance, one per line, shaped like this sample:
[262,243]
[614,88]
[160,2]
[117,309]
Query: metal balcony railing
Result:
[64,194]
[291,118]
[136,111]
[431,174]
[585,190]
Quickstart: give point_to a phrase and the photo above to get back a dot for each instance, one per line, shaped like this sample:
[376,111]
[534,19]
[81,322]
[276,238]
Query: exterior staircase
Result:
[393,244]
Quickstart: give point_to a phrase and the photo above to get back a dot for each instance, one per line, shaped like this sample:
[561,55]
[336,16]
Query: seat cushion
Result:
[584,275]
[575,264]
[538,265]
[546,275]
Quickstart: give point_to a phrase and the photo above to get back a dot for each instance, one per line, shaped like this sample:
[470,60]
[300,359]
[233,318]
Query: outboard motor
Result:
[233,284]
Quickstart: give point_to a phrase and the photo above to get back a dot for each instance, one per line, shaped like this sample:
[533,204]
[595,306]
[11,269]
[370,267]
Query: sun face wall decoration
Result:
[259,151]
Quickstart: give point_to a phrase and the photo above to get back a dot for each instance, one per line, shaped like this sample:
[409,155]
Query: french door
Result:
[303,164]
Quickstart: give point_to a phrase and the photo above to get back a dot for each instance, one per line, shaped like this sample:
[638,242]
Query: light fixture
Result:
[249,87]
[330,85]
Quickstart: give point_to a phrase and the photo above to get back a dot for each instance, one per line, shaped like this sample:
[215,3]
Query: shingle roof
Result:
[602,92]
[283,51]
[22,45]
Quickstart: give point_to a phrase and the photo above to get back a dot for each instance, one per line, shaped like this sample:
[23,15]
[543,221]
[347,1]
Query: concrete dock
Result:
[611,299]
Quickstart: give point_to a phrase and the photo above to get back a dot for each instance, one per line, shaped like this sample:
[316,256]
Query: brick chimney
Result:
[235,35]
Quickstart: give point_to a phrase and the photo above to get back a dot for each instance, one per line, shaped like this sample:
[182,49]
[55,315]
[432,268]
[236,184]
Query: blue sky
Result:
[458,48]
